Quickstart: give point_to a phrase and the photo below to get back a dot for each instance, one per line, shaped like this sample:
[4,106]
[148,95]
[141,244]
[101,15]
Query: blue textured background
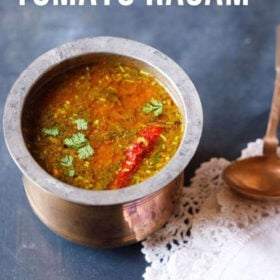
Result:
[229,54]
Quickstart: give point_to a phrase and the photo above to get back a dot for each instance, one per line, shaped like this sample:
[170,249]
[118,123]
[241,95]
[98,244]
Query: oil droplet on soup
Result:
[103,126]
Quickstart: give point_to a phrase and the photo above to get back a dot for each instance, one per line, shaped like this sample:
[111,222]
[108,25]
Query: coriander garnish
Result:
[67,161]
[51,131]
[70,173]
[77,141]
[85,152]
[81,124]
[154,106]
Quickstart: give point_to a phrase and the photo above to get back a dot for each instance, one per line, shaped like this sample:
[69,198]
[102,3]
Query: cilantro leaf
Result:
[77,141]
[67,161]
[70,173]
[85,152]
[148,108]
[51,131]
[81,124]
[154,106]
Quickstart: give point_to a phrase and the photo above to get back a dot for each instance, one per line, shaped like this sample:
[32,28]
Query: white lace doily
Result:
[216,234]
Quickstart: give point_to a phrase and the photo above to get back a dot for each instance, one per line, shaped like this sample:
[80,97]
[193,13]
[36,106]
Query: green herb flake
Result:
[81,124]
[154,106]
[156,158]
[85,152]
[70,173]
[67,161]
[51,131]
[143,72]
[121,68]
[77,141]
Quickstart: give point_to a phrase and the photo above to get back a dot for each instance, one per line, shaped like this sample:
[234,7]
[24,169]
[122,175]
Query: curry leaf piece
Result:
[67,161]
[154,106]
[81,124]
[70,173]
[51,131]
[77,141]
[85,152]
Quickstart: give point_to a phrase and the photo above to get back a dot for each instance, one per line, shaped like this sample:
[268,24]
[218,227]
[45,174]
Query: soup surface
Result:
[103,126]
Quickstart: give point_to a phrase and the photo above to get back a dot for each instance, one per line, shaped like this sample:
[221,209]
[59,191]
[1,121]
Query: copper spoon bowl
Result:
[259,177]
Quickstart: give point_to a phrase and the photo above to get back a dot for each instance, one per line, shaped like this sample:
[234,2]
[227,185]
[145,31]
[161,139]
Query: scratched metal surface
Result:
[228,53]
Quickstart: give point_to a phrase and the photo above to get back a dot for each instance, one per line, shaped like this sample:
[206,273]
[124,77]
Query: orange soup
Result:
[103,126]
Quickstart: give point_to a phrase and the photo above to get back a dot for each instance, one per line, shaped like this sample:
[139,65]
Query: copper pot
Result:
[114,217]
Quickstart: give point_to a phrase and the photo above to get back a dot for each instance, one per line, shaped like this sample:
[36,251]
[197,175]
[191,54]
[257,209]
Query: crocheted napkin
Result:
[215,233]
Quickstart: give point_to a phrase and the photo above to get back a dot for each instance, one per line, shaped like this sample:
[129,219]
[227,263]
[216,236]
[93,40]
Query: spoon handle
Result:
[270,139]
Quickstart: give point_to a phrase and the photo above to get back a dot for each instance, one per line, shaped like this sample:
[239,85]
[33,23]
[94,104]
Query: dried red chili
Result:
[135,154]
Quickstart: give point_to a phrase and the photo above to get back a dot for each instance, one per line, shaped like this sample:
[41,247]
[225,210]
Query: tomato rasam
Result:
[103,126]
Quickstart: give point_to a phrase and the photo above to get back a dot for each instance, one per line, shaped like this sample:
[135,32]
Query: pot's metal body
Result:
[104,226]
[103,218]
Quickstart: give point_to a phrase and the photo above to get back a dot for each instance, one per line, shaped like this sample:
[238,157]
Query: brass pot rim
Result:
[112,45]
